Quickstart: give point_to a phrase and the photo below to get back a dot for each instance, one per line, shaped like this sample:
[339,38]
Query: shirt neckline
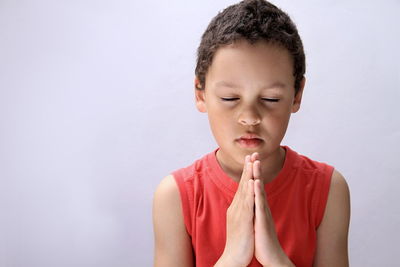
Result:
[227,184]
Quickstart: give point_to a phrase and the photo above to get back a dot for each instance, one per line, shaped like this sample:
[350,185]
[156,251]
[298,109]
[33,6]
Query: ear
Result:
[200,96]
[298,96]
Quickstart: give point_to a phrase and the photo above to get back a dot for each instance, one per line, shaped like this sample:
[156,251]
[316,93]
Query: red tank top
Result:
[297,199]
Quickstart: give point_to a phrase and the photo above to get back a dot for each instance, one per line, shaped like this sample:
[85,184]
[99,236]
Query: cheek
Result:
[277,122]
[221,114]
[221,124]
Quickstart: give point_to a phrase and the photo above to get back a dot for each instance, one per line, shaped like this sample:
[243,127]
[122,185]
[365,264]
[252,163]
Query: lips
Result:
[250,136]
[249,141]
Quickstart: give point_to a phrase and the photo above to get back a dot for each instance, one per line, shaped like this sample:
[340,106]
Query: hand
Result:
[268,250]
[239,247]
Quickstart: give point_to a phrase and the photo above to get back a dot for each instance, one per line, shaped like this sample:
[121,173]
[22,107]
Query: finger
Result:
[257,169]
[259,198]
[242,181]
[248,175]
[249,172]
[254,156]
[250,194]
[261,203]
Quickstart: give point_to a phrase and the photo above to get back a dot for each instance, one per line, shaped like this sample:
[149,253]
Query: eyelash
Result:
[266,99]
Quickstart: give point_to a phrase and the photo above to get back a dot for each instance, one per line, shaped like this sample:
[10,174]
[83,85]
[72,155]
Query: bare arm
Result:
[172,242]
[333,231]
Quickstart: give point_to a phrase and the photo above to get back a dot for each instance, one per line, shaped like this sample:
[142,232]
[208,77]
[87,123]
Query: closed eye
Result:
[229,99]
[271,99]
[236,98]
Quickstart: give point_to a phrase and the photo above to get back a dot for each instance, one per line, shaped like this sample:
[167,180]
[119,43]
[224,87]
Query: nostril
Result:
[250,121]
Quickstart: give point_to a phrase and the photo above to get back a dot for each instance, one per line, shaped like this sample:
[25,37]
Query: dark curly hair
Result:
[251,20]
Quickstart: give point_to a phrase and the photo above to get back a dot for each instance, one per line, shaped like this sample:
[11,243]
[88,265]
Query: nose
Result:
[249,117]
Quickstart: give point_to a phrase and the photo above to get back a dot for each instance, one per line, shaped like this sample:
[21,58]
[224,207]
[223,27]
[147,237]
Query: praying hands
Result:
[250,226]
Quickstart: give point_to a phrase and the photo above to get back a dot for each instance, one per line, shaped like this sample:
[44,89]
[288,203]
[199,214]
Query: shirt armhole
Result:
[186,198]
[322,198]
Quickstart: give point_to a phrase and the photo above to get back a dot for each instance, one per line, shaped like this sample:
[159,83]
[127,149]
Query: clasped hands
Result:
[250,229]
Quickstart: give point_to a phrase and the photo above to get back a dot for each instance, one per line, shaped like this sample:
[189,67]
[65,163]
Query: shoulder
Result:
[188,172]
[167,200]
[312,170]
[172,242]
[332,247]
[167,196]
[339,187]
[338,203]
[167,188]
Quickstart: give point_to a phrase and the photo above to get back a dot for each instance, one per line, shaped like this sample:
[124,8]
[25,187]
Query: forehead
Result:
[260,64]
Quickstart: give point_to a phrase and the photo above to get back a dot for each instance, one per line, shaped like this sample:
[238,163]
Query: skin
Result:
[249,74]
[250,228]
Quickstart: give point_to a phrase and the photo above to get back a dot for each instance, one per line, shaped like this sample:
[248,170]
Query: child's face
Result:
[249,90]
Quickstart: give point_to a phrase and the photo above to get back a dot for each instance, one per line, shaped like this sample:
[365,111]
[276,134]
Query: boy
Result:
[251,202]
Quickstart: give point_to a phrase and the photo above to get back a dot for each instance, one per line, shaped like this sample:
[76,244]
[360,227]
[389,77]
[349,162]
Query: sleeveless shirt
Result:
[297,198]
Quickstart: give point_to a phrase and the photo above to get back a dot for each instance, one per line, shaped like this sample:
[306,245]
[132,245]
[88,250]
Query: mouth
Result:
[249,141]
[250,136]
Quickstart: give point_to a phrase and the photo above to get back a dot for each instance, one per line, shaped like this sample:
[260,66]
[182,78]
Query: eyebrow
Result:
[275,85]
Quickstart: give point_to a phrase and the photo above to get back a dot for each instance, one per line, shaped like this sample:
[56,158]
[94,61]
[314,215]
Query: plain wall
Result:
[97,106]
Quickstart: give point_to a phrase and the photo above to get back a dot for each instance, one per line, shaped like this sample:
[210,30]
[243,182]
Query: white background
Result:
[97,106]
